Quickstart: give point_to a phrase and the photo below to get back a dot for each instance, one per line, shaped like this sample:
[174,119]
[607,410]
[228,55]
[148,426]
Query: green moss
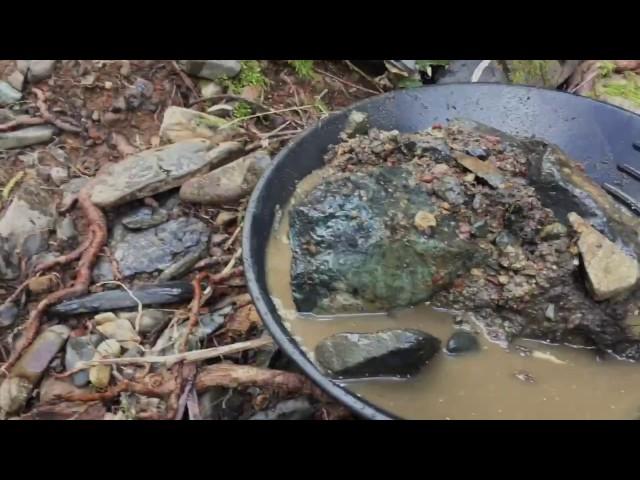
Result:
[527,72]
[303,68]
[242,110]
[250,75]
[627,88]
[606,68]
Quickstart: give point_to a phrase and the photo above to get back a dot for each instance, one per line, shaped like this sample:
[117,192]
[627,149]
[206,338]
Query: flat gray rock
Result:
[211,69]
[386,353]
[26,136]
[40,70]
[155,248]
[30,215]
[8,94]
[150,172]
[227,184]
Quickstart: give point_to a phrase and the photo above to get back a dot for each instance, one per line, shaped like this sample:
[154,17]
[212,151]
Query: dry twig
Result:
[353,85]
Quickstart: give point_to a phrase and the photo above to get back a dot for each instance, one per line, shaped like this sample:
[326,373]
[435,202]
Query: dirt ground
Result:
[89,95]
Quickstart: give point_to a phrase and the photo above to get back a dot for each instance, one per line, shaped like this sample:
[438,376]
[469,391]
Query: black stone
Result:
[477,152]
[462,342]
[386,353]
[153,294]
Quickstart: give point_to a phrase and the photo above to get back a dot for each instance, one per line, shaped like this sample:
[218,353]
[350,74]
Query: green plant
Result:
[606,68]
[628,88]
[250,75]
[303,68]
[242,110]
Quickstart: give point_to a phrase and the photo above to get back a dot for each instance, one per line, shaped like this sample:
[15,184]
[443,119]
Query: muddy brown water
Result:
[492,383]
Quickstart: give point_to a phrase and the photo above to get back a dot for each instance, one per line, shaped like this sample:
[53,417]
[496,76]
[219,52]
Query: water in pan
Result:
[538,381]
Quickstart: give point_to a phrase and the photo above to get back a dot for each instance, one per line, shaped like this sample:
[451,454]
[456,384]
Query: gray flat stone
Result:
[8,94]
[154,171]
[211,69]
[157,248]
[26,136]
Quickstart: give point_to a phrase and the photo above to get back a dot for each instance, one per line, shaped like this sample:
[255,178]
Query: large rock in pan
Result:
[394,352]
[356,246]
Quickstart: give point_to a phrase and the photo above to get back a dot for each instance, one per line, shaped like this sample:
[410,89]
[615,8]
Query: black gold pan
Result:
[598,135]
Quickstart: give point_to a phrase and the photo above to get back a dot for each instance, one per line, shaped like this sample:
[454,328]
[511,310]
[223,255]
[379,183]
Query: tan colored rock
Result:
[482,168]
[99,375]
[610,271]
[227,184]
[14,393]
[158,170]
[26,373]
[181,124]
[39,354]
[46,283]
[119,329]
[423,220]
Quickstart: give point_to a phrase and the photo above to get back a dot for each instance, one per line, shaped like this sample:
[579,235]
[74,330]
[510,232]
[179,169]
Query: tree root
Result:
[63,259]
[98,234]
[24,121]
[48,117]
[197,295]
[219,375]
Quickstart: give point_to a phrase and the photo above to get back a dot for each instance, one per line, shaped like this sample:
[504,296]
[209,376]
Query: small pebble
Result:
[477,152]
[462,342]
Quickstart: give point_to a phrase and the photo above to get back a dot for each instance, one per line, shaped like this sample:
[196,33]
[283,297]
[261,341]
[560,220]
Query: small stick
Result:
[371,80]
[364,89]
[187,81]
[210,262]
[229,266]
[115,268]
[139,316]
[233,237]
[170,360]
[228,96]
[270,112]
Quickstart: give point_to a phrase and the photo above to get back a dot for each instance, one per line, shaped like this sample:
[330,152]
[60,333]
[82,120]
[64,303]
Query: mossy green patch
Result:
[303,68]
[530,72]
[626,86]
[242,110]
[250,75]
